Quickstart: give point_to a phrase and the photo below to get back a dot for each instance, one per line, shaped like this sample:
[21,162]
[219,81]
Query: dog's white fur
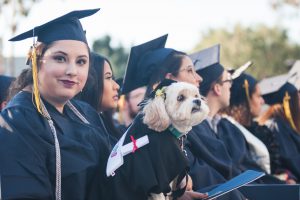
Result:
[162,111]
[167,109]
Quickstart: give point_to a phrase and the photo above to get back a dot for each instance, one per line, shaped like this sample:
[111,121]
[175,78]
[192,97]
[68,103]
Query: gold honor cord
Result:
[246,86]
[287,110]
[36,92]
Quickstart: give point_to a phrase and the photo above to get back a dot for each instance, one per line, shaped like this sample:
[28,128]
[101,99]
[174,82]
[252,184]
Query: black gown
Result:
[150,168]
[209,161]
[27,152]
[289,142]
[269,138]
[236,145]
[239,151]
[204,143]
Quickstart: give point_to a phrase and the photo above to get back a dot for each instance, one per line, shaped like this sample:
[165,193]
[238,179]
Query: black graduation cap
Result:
[143,60]
[66,27]
[241,87]
[207,65]
[274,89]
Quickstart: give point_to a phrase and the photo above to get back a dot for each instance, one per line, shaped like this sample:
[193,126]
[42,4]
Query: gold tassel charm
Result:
[287,110]
[36,92]
[246,86]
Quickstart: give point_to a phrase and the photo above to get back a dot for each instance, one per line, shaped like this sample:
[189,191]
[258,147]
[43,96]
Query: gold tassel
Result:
[246,86]
[36,92]
[287,110]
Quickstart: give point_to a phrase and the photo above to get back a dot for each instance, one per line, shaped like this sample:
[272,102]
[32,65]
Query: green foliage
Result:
[117,55]
[268,48]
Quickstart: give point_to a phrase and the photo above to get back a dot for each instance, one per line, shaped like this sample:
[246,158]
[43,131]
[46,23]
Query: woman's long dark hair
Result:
[92,92]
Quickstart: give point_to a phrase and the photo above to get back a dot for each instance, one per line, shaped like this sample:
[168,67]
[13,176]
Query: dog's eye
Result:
[197,96]
[180,98]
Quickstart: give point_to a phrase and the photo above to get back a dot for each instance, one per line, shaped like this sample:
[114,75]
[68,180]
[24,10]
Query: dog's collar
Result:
[175,132]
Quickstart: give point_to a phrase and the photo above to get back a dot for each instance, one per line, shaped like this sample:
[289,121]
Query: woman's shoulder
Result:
[21,100]
[19,108]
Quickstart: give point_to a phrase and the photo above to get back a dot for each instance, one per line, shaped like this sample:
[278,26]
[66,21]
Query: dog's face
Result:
[184,105]
[180,105]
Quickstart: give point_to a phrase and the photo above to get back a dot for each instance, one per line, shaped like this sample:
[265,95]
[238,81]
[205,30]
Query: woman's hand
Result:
[190,195]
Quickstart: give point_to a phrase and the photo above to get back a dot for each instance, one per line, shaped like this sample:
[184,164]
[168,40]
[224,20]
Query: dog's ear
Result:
[155,114]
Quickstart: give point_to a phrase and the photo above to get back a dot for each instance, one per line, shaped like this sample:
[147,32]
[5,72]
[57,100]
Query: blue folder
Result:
[238,181]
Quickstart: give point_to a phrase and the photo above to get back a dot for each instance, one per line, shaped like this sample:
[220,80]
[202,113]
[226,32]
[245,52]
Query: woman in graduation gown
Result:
[283,120]
[101,92]
[52,147]
[245,106]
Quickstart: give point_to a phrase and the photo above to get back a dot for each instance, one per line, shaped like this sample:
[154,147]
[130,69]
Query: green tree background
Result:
[268,48]
[117,55]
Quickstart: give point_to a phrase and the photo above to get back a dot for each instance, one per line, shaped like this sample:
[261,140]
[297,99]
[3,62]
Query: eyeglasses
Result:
[224,81]
[189,69]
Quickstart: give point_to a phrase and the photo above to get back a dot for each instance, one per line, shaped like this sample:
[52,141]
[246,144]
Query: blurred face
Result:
[187,72]
[256,102]
[110,89]
[225,84]
[63,71]
[135,97]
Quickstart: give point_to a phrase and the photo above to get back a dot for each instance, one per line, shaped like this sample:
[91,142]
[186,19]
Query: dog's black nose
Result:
[197,102]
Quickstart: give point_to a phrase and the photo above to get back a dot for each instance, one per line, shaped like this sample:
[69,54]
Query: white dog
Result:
[179,105]
[148,160]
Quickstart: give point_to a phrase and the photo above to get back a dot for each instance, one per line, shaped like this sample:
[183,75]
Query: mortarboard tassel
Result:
[287,110]
[246,86]
[36,92]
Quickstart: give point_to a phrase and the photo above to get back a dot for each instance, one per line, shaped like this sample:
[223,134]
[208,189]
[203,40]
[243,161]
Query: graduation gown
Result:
[289,142]
[27,152]
[237,146]
[209,161]
[269,138]
[203,143]
[152,167]
[239,151]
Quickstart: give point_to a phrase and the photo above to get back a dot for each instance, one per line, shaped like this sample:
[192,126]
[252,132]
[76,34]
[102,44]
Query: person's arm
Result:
[23,169]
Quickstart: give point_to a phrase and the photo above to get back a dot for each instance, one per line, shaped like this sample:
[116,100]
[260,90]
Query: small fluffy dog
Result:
[154,164]
[178,105]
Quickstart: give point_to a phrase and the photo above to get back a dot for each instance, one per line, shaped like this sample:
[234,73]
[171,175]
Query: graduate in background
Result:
[217,89]
[5,82]
[203,144]
[283,119]
[52,147]
[129,107]
[101,92]
[245,105]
